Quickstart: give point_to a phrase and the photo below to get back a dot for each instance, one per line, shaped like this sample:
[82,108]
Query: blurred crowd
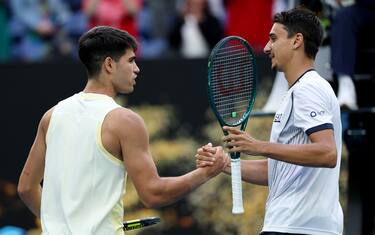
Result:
[40,30]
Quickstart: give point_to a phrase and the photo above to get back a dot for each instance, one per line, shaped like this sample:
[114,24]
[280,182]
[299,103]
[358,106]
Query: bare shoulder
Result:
[126,121]
[123,115]
[44,122]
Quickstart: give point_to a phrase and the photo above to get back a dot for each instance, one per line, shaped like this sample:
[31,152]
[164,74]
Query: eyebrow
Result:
[272,35]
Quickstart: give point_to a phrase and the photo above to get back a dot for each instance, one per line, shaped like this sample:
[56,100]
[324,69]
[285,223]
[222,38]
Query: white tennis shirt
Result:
[305,200]
[83,183]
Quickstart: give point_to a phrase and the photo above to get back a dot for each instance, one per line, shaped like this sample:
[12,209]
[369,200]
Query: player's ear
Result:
[109,64]
[298,40]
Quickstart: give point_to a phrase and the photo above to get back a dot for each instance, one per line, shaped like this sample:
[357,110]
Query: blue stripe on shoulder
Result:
[319,128]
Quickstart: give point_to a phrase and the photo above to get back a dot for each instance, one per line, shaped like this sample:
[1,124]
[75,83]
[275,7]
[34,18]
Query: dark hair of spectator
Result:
[102,42]
[304,21]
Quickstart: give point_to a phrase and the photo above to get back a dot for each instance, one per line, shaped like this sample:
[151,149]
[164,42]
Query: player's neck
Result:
[296,69]
[96,85]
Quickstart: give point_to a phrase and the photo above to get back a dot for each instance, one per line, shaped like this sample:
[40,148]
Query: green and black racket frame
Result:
[140,223]
[231,93]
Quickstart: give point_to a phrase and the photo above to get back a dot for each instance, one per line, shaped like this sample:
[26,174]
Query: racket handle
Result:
[236,186]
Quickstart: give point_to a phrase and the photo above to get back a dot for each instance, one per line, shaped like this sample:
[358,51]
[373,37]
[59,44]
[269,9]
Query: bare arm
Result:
[156,191]
[253,171]
[321,152]
[29,188]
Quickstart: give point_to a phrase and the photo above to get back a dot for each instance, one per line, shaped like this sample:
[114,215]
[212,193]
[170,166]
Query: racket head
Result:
[232,81]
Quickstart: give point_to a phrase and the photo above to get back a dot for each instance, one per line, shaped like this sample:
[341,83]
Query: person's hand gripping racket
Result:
[241,141]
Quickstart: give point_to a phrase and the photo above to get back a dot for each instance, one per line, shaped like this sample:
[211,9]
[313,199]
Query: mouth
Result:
[272,57]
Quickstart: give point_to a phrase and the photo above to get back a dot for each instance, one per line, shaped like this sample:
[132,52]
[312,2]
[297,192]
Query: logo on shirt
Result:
[278,117]
[316,113]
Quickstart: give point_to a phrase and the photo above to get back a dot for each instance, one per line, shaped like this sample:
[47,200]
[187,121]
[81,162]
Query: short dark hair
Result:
[101,42]
[304,21]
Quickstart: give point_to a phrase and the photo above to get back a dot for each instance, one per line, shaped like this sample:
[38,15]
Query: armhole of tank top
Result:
[100,145]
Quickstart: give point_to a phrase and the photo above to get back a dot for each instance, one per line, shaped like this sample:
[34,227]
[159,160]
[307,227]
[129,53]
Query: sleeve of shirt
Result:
[312,111]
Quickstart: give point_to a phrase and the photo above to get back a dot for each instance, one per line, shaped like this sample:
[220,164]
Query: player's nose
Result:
[267,48]
[136,69]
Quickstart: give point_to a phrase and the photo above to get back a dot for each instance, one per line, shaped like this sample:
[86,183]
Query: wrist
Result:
[264,149]
[227,168]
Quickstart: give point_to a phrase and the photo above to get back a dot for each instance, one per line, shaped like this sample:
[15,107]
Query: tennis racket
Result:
[231,92]
[140,223]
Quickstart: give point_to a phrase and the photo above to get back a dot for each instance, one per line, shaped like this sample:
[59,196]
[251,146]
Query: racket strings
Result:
[228,47]
[232,82]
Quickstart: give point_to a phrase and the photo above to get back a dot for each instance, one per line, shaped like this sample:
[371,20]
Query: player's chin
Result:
[127,90]
[274,66]
[130,90]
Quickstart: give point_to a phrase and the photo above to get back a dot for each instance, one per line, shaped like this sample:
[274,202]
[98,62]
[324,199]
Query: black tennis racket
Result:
[140,223]
[231,92]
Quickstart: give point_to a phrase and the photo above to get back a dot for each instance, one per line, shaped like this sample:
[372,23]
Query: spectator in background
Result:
[218,9]
[156,19]
[77,23]
[120,14]
[37,29]
[4,32]
[251,20]
[347,24]
[153,25]
[195,30]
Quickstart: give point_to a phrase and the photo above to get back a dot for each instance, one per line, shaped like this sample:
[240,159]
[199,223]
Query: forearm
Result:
[253,171]
[168,190]
[314,154]
[32,199]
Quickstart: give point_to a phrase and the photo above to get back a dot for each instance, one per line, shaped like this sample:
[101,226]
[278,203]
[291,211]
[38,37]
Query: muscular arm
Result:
[321,152]
[29,188]
[154,191]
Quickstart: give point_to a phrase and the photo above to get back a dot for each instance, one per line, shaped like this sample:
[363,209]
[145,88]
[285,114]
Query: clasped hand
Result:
[235,141]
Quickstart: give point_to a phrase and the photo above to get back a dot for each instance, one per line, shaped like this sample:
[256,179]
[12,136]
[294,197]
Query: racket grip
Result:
[236,186]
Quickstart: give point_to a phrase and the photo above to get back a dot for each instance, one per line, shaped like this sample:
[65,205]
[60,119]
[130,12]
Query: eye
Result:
[132,60]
